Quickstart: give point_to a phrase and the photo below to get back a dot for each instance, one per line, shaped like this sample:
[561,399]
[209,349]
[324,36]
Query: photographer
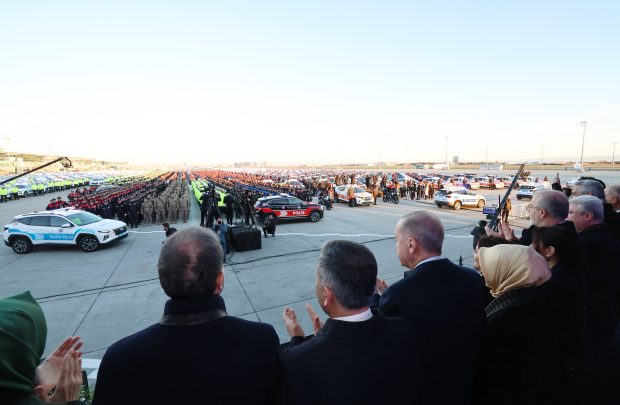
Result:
[204,207]
[247,205]
[229,202]
[213,211]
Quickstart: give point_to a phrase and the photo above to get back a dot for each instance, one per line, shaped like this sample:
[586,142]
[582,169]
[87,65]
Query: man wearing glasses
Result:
[547,208]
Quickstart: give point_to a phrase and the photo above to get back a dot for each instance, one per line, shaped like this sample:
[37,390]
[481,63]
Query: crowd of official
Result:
[536,322]
[136,201]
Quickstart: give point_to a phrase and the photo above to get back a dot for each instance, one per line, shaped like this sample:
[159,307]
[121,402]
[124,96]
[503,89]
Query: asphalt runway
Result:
[113,292]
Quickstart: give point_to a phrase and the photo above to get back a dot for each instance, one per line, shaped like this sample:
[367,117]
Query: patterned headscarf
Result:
[23,331]
[509,267]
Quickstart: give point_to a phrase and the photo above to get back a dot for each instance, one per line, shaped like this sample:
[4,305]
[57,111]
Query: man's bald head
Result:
[425,228]
[189,263]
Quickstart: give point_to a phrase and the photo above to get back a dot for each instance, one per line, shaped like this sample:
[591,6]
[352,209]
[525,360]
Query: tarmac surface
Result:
[113,292]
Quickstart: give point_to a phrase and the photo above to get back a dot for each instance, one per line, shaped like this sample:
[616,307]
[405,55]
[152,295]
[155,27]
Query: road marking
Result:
[356,235]
[335,234]
[91,364]
[146,231]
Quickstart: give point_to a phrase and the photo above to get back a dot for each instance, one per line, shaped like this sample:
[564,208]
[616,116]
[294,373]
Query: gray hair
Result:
[589,203]
[614,190]
[554,202]
[425,228]
[189,263]
[349,269]
[589,187]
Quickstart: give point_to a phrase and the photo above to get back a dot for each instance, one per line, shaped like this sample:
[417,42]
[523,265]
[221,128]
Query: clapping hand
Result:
[380,286]
[60,365]
[507,232]
[293,328]
[316,321]
[70,379]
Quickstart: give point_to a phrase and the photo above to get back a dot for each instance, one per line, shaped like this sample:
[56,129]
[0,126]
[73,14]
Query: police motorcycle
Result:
[390,195]
[325,201]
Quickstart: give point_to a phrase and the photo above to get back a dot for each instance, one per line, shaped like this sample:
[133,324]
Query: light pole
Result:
[613,156]
[487,158]
[447,161]
[583,142]
[542,148]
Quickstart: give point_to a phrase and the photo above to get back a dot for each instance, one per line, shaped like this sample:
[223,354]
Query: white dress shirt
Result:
[361,317]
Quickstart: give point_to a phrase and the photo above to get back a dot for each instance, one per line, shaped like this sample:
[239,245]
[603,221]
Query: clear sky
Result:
[309,81]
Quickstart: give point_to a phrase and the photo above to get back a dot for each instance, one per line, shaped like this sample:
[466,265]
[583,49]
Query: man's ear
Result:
[412,245]
[328,294]
[548,252]
[219,283]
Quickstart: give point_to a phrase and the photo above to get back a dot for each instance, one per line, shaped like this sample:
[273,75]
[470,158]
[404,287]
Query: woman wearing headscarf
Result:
[23,333]
[520,358]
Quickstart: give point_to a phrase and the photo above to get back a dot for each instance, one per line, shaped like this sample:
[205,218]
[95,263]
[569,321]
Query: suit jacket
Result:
[445,304]
[612,220]
[603,287]
[224,361]
[369,362]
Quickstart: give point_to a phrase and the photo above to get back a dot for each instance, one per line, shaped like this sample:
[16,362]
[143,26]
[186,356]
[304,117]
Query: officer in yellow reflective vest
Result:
[4,193]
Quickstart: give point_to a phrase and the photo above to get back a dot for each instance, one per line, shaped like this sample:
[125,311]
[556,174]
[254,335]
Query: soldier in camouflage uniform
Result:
[147,211]
[160,211]
[185,208]
[173,209]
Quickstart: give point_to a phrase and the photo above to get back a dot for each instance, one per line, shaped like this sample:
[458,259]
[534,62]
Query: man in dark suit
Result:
[357,357]
[444,303]
[602,276]
[196,353]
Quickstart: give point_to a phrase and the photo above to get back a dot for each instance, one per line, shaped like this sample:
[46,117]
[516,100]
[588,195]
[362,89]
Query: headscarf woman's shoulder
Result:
[23,333]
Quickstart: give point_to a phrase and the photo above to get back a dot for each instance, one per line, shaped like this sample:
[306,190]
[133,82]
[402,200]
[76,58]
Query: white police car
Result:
[528,190]
[362,197]
[65,226]
[459,198]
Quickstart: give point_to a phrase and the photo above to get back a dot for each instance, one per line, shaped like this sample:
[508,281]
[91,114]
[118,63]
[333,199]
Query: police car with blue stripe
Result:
[65,226]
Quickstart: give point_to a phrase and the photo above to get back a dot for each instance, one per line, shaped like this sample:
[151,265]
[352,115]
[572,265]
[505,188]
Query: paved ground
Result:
[113,292]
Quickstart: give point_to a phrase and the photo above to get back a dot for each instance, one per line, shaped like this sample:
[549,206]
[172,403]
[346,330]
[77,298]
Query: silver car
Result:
[459,198]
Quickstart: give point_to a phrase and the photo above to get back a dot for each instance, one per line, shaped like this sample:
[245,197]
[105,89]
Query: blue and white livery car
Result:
[65,226]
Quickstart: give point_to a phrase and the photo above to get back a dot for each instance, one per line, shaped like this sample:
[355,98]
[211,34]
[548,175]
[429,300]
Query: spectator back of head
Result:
[589,187]
[349,269]
[189,263]
[554,202]
[425,228]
